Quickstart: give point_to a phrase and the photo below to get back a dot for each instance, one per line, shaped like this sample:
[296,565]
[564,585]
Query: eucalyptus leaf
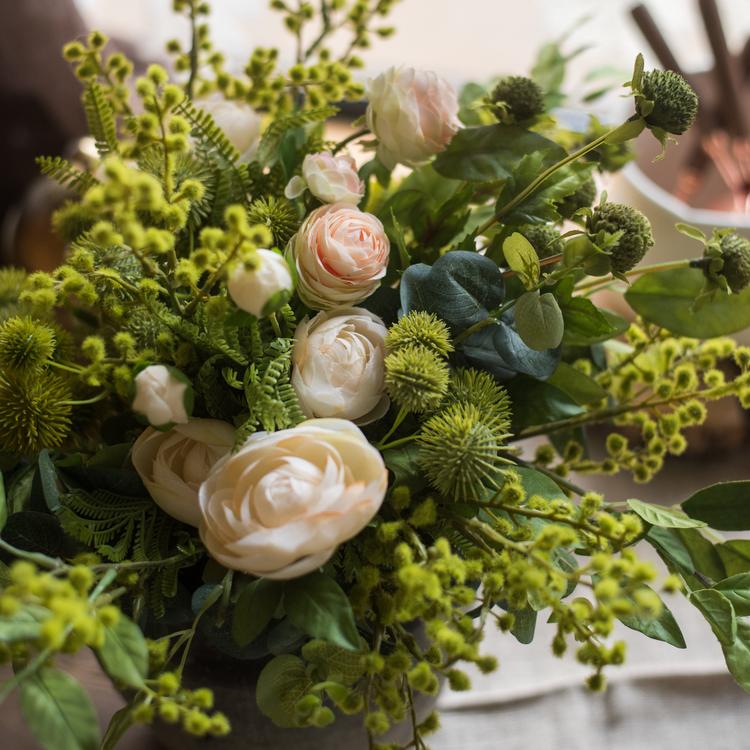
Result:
[58,711]
[724,506]
[539,321]
[521,257]
[318,606]
[667,298]
[281,683]
[491,152]
[254,609]
[658,515]
[124,654]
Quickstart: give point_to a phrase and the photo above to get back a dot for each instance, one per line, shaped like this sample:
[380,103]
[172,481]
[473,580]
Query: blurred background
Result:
[664,698]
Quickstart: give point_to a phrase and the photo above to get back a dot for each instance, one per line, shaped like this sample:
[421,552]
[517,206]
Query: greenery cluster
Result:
[498,245]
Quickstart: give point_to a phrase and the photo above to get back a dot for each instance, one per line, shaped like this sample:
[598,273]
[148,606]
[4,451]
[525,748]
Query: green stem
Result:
[535,184]
[212,279]
[190,85]
[43,561]
[400,417]
[668,266]
[93,400]
[397,443]
[353,137]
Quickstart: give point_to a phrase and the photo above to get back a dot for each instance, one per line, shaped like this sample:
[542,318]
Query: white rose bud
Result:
[331,179]
[340,253]
[173,464]
[280,506]
[263,289]
[413,113]
[338,365]
[163,395]
[238,121]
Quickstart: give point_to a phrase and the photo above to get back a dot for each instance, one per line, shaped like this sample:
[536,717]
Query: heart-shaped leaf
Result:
[539,321]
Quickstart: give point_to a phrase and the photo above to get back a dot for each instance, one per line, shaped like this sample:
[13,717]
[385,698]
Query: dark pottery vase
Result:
[233,683]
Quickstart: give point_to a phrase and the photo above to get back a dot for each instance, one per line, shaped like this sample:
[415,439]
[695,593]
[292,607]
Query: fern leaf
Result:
[271,140]
[101,119]
[66,174]
[207,132]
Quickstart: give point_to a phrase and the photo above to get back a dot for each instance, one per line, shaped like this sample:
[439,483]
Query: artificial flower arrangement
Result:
[272,406]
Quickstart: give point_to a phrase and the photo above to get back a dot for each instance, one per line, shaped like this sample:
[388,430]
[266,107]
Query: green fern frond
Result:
[269,144]
[100,116]
[66,174]
[207,132]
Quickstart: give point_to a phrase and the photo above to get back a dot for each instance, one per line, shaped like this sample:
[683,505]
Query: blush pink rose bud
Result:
[338,365]
[264,288]
[413,113]
[340,253]
[163,396]
[173,464]
[331,179]
[279,506]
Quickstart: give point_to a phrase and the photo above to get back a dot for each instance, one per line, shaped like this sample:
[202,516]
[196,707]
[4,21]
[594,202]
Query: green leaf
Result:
[19,489]
[318,606]
[688,551]
[492,152]
[536,483]
[719,613]
[737,590]
[403,463]
[658,515]
[667,298]
[333,662]
[522,258]
[524,624]
[3,503]
[124,655]
[724,506]
[48,480]
[460,288]
[661,628]
[254,610]
[539,321]
[34,532]
[737,655]
[58,712]
[690,231]
[120,722]
[585,324]
[735,555]
[536,403]
[281,684]
[23,625]
[579,386]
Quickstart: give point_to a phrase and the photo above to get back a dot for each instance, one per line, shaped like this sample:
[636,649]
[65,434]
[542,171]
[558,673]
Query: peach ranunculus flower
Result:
[339,365]
[413,113]
[331,179]
[340,253]
[173,464]
[280,505]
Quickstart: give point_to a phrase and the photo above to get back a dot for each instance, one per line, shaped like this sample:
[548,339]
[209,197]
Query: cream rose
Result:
[162,396]
[280,506]
[331,179]
[413,113]
[341,253]
[173,464]
[239,122]
[253,289]
[338,365]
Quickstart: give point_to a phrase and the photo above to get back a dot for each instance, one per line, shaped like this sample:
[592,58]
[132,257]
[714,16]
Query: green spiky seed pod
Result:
[420,329]
[416,379]
[675,102]
[479,388]
[11,282]
[278,214]
[518,97]
[34,413]
[735,251]
[459,452]
[544,238]
[636,236]
[583,197]
[25,345]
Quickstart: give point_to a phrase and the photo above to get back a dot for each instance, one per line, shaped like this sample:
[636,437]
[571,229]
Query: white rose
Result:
[413,113]
[252,289]
[280,506]
[331,179]
[162,396]
[239,122]
[341,253]
[173,464]
[338,365]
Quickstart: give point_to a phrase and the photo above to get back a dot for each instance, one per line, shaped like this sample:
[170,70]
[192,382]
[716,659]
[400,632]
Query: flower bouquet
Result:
[272,412]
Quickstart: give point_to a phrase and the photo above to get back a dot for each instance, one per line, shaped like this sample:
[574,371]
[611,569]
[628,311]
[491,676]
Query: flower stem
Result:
[400,417]
[353,137]
[668,266]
